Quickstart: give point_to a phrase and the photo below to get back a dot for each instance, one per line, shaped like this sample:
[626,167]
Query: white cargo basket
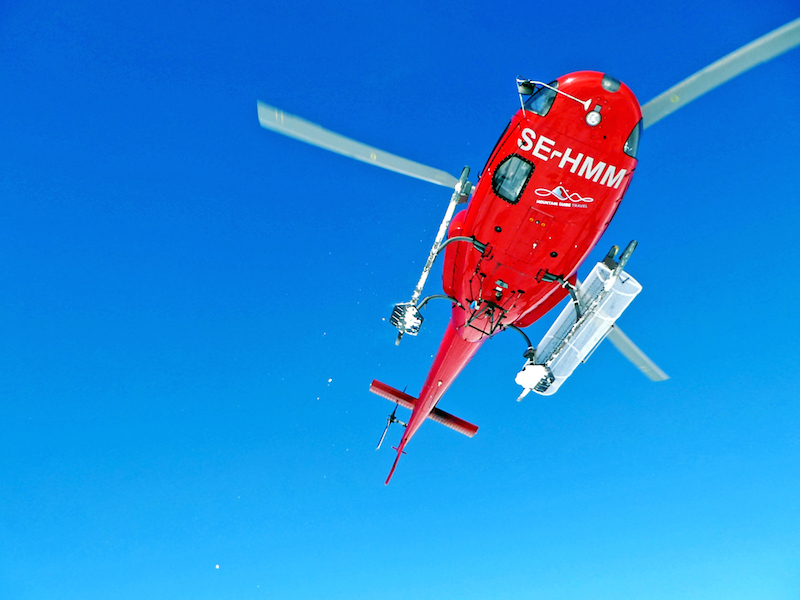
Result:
[570,341]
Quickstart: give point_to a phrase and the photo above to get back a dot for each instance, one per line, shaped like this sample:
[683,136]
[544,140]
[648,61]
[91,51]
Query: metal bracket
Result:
[494,319]
[615,266]
[573,291]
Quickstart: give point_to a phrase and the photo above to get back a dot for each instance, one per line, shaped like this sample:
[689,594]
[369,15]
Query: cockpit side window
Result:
[631,147]
[542,99]
[511,177]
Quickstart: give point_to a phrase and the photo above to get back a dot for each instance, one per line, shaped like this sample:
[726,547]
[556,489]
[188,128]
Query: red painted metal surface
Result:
[453,355]
[578,176]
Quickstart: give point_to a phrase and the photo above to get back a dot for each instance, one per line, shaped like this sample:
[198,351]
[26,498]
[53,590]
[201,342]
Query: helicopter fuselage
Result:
[547,193]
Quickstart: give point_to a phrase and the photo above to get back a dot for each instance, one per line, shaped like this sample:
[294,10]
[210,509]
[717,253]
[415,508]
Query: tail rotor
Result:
[392,419]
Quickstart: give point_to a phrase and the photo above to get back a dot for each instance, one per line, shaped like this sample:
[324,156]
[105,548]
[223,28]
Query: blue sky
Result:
[192,309]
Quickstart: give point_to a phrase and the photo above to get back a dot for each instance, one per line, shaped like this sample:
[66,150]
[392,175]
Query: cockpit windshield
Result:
[542,99]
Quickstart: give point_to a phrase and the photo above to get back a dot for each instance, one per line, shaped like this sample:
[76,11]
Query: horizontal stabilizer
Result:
[409,402]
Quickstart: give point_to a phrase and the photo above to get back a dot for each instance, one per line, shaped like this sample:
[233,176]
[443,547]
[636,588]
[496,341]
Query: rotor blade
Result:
[276,120]
[761,50]
[388,422]
[631,351]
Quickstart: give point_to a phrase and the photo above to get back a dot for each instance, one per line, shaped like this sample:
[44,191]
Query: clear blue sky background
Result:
[192,308]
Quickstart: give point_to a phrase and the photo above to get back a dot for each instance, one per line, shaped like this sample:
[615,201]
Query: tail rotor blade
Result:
[385,429]
[392,419]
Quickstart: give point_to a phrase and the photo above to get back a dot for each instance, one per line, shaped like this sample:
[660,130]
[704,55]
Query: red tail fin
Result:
[396,460]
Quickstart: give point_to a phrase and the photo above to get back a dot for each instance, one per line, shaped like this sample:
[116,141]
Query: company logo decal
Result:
[561,193]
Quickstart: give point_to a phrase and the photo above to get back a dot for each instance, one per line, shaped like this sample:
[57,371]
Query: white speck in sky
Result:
[217,566]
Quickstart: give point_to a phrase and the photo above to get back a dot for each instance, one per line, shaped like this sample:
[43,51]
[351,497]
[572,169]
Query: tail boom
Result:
[453,354]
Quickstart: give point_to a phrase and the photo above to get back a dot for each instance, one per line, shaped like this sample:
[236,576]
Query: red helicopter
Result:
[549,190]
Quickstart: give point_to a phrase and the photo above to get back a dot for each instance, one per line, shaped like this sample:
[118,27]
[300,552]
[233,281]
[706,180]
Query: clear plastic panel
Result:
[567,344]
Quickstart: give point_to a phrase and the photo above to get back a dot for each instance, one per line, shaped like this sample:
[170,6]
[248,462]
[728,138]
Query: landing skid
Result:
[406,316]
